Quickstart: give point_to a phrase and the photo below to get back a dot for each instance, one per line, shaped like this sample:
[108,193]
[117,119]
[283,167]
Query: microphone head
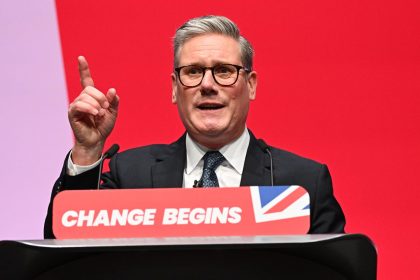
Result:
[111,151]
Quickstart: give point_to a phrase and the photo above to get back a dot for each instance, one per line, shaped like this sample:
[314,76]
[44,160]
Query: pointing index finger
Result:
[84,72]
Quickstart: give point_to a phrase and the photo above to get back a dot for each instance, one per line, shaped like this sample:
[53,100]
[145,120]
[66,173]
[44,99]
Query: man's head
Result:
[213,103]
[212,24]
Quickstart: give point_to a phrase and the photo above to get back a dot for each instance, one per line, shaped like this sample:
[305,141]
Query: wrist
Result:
[86,155]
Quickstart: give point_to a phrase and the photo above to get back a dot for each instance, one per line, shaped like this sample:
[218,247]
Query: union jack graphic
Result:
[279,202]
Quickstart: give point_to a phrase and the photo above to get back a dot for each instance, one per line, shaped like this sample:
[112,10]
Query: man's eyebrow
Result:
[213,64]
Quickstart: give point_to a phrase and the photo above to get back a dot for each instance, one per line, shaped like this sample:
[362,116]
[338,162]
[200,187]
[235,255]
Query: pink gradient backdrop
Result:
[34,130]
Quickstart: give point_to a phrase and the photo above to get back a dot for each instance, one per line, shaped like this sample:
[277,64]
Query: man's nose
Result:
[208,80]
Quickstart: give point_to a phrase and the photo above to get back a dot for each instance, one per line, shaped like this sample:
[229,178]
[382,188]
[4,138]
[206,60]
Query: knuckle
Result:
[71,109]
[78,105]
[71,106]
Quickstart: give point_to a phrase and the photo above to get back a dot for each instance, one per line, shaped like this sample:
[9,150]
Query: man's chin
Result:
[213,138]
[208,133]
[211,132]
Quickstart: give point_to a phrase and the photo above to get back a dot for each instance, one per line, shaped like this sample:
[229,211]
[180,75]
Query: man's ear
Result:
[174,88]
[252,85]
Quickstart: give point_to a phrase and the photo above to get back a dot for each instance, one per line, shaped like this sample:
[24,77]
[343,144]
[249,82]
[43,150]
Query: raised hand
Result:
[92,117]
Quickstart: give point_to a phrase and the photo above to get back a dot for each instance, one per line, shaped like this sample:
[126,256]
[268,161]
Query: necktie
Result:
[212,160]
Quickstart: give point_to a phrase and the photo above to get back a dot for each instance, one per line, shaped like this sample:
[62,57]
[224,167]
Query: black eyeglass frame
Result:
[238,68]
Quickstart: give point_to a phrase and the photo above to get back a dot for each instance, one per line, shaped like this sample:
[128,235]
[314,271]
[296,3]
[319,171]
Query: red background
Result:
[338,82]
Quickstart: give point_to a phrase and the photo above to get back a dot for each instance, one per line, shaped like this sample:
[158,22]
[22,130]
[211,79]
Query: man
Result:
[213,83]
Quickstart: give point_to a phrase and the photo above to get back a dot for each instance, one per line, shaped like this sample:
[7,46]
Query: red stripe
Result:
[287,201]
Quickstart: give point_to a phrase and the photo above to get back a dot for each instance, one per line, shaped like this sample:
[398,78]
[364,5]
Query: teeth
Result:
[210,106]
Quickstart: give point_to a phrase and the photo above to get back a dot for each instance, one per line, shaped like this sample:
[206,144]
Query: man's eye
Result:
[224,69]
[193,71]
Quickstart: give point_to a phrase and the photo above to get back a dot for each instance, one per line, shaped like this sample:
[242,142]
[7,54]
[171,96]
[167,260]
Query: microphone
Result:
[108,154]
[198,184]
[266,149]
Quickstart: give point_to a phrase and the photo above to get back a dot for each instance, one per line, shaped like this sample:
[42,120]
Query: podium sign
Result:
[173,212]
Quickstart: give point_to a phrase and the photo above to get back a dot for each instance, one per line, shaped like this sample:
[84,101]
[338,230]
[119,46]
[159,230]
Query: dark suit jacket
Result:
[162,166]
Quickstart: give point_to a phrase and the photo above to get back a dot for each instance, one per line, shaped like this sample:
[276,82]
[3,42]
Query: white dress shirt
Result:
[229,173]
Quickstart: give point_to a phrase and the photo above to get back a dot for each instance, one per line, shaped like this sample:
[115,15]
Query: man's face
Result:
[213,115]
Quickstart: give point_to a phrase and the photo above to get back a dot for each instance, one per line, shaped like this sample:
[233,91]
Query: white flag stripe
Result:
[256,202]
[300,203]
[293,210]
[282,196]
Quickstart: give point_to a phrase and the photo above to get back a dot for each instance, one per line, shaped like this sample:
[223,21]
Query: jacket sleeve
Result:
[86,180]
[327,215]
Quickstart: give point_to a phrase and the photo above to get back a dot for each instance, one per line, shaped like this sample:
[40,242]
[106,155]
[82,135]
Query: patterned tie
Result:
[212,160]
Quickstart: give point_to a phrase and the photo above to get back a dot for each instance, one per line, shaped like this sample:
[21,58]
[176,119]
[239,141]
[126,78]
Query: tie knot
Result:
[212,160]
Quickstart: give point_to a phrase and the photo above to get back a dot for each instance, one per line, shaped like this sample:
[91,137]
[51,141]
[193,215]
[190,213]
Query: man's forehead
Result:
[210,48]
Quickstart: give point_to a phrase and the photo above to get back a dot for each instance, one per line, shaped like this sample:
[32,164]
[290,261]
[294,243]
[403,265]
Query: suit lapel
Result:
[257,165]
[168,171]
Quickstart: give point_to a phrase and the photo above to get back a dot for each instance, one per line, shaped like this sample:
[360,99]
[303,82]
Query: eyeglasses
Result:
[223,74]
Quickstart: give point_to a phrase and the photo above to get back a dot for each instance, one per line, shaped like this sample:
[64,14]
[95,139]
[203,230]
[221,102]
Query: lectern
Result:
[350,256]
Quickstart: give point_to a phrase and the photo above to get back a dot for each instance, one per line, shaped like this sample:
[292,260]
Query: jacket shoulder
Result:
[293,158]
[296,169]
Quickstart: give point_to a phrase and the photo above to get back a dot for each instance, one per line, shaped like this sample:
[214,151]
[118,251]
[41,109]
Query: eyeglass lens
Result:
[224,74]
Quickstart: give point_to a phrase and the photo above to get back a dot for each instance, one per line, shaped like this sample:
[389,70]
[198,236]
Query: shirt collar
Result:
[234,152]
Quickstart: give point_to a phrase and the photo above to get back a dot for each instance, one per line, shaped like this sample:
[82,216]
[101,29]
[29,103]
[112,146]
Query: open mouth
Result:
[207,106]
